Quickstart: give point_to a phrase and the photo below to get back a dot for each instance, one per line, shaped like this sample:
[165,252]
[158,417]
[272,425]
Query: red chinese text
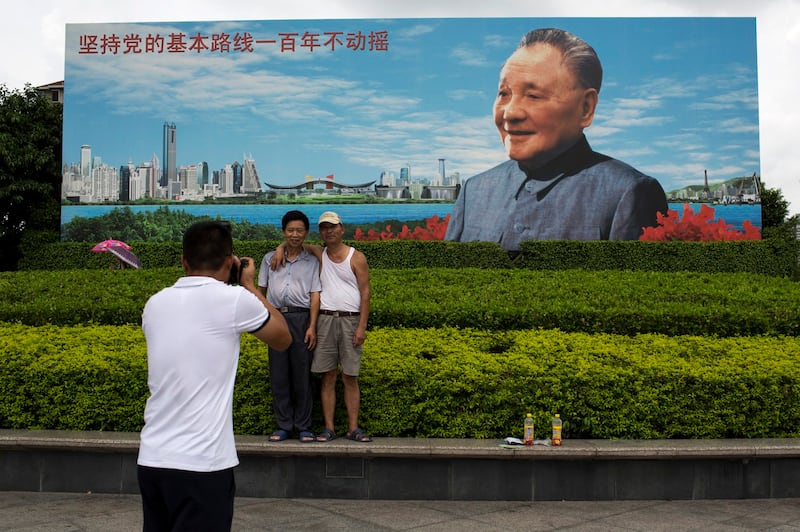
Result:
[220,43]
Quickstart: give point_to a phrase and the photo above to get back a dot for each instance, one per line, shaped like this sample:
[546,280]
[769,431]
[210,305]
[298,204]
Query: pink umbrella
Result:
[121,250]
[105,245]
[126,256]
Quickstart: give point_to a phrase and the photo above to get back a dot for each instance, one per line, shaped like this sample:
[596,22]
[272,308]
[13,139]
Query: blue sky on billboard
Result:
[679,96]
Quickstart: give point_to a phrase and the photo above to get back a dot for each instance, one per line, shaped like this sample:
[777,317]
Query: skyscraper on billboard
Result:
[237,177]
[86,161]
[169,173]
[153,178]
[250,182]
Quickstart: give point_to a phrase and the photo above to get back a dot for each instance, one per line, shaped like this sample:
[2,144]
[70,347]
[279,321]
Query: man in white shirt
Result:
[187,451]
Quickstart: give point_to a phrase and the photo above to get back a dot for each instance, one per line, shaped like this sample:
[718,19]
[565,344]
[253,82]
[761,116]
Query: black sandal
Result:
[358,435]
[326,435]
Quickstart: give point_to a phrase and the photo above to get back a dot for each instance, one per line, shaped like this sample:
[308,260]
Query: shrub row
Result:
[769,257]
[735,304]
[441,383]
[388,254]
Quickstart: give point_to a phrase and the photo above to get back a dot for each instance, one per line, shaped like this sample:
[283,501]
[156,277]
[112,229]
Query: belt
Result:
[338,313]
[286,310]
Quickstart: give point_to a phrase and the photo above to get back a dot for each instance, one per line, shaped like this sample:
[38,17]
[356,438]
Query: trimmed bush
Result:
[72,378]
[767,257]
[388,254]
[442,382]
[732,304]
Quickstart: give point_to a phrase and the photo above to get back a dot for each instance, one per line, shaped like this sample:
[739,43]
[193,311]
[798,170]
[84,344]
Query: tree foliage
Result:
[30,155]
[774,207]
[775,219]
[159,225]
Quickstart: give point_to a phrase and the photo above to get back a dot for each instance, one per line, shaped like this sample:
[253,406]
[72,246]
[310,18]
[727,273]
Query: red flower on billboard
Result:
[434,229]
[696,227]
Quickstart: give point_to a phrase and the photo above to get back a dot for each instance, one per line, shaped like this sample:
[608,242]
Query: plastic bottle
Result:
[556,430]
[528,430]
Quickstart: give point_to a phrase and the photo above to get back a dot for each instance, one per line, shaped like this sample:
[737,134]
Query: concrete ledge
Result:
[443,469]
[428,447]
[490,449]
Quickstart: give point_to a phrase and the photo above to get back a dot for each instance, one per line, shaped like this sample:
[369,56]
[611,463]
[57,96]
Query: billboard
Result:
[390,119]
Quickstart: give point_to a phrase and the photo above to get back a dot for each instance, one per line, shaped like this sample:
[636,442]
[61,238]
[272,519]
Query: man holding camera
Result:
[193,329]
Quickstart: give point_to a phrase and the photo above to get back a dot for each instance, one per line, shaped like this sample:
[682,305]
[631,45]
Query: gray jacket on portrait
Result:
[580,195]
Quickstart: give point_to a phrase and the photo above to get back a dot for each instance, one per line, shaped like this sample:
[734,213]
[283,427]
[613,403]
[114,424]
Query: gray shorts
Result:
[335,345]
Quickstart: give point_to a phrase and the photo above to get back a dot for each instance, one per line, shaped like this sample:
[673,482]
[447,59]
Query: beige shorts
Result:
[335,345]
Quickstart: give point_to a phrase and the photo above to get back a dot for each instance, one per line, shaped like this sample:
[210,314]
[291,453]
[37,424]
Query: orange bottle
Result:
[528,430]
[556,440]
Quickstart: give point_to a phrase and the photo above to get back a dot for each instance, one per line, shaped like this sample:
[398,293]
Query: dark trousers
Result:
[290,377]
[175,500]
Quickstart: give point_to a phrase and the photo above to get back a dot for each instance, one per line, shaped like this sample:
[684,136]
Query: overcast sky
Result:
[32,41]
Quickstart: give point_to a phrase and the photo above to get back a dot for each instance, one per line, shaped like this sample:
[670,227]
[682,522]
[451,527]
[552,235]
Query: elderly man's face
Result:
[331,233]
[540,109]
[295,233]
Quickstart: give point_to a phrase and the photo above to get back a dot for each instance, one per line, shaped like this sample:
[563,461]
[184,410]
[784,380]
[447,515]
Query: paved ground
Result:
[31,511]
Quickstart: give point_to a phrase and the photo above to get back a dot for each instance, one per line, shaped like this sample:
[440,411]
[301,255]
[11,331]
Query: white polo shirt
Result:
[193,331]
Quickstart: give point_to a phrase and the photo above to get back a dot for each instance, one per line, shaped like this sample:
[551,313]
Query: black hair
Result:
[292,216]
[207,244]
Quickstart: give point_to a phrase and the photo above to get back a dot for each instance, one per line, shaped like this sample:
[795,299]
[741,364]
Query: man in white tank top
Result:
[342,325]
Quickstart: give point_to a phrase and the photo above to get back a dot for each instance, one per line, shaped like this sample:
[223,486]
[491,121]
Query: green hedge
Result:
[580,301]
[388,254]
[769,257]
[72,378]
[620,302]
[441,382]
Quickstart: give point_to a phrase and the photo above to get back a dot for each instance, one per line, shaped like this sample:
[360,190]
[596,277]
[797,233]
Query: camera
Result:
[236,271]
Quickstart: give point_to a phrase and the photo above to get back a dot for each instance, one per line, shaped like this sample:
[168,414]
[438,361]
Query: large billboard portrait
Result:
[499,129]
